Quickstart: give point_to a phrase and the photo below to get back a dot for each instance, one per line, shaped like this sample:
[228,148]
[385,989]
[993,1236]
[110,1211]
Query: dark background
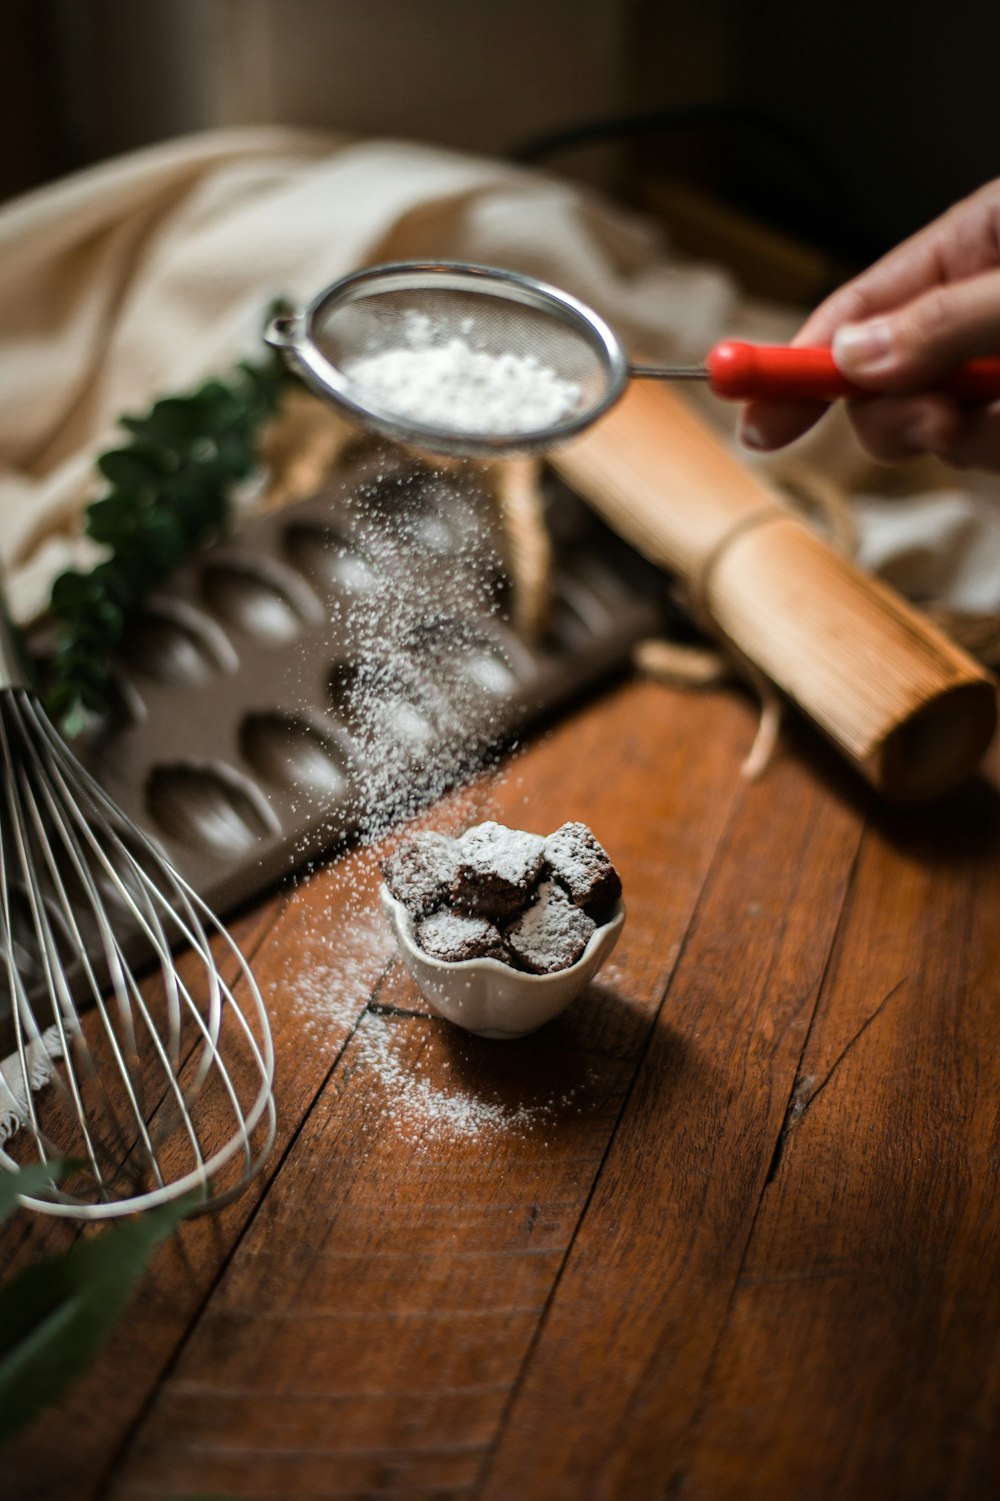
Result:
[844,125]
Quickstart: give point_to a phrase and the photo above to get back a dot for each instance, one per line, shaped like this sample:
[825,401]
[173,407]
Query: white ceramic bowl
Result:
[489,998]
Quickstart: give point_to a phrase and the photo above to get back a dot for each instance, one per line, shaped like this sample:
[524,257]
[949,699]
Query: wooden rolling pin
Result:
[909,708]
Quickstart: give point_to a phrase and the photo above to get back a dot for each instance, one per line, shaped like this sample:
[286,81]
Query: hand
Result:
[925,308]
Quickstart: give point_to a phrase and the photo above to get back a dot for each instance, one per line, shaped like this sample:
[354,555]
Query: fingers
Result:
[896,428]
[929,304]
[961,244]
[766,425]
[926,338]
[905,349]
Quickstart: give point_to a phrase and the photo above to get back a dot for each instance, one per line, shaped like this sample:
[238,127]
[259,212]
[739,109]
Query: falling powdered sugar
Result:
[419,688]
[423,689]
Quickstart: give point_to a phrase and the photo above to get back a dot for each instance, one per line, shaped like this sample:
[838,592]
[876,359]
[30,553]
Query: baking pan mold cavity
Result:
[464,651]
[417,509]
[432,532]
[262,599]
[382,708]
[576,617]
[290,751]
[174,643]
[210,806]
[328,560]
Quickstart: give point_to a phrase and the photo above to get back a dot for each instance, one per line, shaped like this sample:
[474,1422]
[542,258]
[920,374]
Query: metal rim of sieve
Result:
[295,335]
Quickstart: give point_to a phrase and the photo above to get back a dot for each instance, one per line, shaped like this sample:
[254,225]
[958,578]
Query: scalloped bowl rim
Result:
[497,1000]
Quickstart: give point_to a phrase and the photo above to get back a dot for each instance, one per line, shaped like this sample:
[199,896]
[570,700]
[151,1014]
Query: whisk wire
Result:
[97,891]
[192,931]
[64,819]
[22,1014]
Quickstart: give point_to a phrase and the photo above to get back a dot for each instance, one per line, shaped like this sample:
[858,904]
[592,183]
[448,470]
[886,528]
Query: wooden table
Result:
[729,1228]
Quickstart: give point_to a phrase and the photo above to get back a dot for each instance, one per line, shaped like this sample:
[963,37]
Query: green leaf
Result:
[264,387]
[162,542]
[189,499]
[56,1315]
[85,669]
[30,1180]
[169,494]
[105,623]
[116,517]
[72,720]
[213,396]
[236,453]
[139,467]
[94,696]
[174,419]
[177,414]
[73,593]
[116,585]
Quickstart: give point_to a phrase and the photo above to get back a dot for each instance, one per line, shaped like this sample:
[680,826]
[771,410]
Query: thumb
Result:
[916,344]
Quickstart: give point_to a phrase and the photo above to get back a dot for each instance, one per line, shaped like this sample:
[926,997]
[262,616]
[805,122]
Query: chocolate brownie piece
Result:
[419,873]
[454,936]
[551,934]
[497,870]
[581,865]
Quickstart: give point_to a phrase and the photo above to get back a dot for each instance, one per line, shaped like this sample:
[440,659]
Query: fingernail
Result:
[751,436]
[863,348]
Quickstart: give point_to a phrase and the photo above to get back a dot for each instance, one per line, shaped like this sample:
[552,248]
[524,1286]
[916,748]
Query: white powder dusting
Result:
[551,934]
[452,386]
[512,855]
[332,990]
[419,686]
[424,1113]
[417,718]
[420,1110]
[459,935]
[418,1100]
[415,711]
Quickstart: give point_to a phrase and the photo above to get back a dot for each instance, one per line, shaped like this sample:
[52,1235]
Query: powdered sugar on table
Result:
[450,385]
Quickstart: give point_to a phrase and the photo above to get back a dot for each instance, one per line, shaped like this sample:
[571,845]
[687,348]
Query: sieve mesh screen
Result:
[459,358]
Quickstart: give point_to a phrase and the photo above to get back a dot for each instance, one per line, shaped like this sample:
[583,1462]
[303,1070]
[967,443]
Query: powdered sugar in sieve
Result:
[451,383]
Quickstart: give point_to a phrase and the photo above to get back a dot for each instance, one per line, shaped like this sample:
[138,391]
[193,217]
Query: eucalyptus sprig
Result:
[168,492]
[56,1314]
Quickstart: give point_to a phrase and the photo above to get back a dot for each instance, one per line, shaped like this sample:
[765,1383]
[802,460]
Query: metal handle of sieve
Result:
[283,332]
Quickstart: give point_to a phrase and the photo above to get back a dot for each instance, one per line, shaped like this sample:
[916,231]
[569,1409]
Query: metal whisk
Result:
[153,1090]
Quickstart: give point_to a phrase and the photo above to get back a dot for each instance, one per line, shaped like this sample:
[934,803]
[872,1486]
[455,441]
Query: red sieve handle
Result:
[741,371]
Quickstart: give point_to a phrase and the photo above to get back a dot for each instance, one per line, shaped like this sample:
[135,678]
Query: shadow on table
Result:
[578,1065]
[961,826]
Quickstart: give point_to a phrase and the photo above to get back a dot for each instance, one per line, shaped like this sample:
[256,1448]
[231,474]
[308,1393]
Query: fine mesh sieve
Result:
[492,311]
[502,313]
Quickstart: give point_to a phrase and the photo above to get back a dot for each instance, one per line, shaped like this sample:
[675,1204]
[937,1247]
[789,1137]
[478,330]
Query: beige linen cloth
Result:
[145,274]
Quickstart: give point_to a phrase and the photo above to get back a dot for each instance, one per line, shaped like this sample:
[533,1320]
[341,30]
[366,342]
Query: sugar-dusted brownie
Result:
[580,864]
[497,870]
[551,934]
[420,872]
[454,936]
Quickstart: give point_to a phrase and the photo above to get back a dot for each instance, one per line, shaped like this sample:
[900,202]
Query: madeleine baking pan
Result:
[341,661]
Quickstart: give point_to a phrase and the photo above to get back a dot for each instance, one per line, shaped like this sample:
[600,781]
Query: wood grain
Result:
[728,1228]
[644,1294]
[870,1283]
[390,1267]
